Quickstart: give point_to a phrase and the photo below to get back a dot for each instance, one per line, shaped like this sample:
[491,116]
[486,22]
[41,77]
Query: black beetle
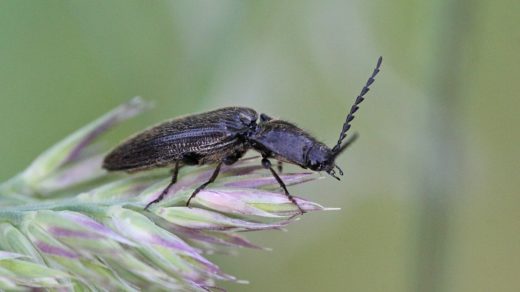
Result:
[224,136]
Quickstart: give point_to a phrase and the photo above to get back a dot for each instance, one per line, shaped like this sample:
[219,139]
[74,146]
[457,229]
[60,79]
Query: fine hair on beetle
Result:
[223,136]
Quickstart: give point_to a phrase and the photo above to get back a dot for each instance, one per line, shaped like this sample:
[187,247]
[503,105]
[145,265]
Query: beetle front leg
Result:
[200,188]
[267,164]
[175,172]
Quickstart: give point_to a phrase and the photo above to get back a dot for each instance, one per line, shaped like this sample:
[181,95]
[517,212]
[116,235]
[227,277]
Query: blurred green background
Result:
[429,199]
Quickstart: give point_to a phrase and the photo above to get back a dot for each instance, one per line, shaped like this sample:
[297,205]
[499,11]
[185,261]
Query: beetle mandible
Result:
[223,136]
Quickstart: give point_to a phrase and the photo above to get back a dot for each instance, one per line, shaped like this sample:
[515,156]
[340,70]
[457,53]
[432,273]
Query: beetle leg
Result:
[201,187]
[175,172]
[267,164]
[280,166]
[265,118]
[234,157]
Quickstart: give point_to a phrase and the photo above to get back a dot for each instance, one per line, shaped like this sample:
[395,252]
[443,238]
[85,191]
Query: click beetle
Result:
[223,136]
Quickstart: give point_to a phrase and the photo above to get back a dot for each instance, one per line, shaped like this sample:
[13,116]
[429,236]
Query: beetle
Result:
[223,136]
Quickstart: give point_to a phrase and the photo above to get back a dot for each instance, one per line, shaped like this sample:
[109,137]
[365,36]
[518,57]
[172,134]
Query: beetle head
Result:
[321,158]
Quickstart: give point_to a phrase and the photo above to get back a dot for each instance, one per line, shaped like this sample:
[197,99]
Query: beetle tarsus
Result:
[201,187]
[267,164]
[175,172]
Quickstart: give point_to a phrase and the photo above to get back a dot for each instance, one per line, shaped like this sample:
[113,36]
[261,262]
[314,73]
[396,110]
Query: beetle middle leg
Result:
[201,187]
[175,173]
[279,166]
[267,164]
[265,118]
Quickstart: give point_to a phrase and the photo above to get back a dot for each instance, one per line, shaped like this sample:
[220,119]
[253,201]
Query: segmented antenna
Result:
[355,106]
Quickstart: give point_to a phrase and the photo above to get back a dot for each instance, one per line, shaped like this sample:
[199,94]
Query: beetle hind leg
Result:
[175,172]
[267,164]
[201,187]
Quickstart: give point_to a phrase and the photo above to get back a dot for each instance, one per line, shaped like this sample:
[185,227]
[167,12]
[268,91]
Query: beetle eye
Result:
[316,165]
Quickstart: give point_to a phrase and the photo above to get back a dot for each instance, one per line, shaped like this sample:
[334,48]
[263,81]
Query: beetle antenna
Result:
[347,143]
[359,99]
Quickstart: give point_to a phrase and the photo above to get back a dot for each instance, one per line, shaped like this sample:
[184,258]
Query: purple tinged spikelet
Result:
[102,235]
[56,250]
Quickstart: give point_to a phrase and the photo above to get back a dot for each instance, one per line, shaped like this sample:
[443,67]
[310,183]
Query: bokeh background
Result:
[429,199]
